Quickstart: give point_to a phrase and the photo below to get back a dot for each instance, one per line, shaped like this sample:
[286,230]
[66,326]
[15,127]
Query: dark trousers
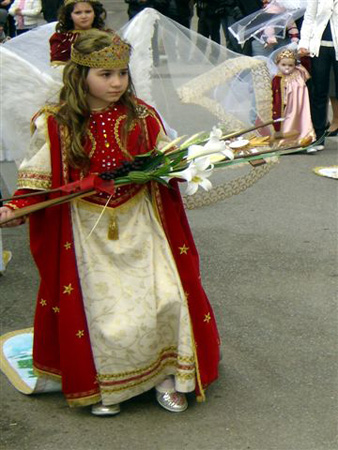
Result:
[321,66]
[231,41]
[210,28]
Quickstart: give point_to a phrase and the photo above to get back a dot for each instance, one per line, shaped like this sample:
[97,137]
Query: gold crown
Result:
[286,54]
[114,56]
[68,2]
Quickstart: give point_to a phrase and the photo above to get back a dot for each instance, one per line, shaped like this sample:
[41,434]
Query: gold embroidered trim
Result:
[84,401]
[186,359]
[142,381]
[185,376]
[90,206]
[34,180]
[117,135]
[11,205]
[194,90]
[142,111]
[92,140]
[64,144]
[46,372]
[161,355]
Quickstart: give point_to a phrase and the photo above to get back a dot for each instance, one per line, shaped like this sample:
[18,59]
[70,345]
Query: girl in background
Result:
[75,17]
[27,14]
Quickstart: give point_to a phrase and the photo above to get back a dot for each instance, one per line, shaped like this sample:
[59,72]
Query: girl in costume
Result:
[121,308]
[75,17]
[291,97]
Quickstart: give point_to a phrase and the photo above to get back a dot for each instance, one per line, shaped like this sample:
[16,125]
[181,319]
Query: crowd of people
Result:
[108,342]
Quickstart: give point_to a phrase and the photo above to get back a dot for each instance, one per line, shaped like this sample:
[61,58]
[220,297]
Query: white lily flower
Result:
[200,174]
[196,174]
[214,145]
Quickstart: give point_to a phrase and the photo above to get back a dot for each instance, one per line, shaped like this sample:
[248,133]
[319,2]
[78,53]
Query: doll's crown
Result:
[286,54]
[68,2]
[114,56]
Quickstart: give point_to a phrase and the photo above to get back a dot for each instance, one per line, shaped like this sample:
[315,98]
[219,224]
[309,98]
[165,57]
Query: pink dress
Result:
[291,101]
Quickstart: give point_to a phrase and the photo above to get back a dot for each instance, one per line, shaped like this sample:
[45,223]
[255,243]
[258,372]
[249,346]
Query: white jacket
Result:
[317,15]
[32,12]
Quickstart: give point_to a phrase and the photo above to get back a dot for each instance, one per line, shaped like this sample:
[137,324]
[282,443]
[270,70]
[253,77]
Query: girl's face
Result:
[286,65]
[82,16]
[106,86]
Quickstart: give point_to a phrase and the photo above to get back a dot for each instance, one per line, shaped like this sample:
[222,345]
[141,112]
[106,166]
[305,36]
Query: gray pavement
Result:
[269,266]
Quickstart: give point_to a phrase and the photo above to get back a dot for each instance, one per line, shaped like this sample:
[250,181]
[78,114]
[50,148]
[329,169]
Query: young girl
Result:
[291,97]
[75,17]
[27,14]
[121,308]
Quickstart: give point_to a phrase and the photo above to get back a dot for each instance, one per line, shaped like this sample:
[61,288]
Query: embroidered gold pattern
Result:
[43,302]
[68,289]
[109,390]
[67,245]
[33,179]
[80,334]
[171,350]
[183,250]
[56,309]
[207,318]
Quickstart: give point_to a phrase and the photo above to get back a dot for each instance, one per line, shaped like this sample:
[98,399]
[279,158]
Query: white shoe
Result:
[315,149]
[101,410]
[172,401]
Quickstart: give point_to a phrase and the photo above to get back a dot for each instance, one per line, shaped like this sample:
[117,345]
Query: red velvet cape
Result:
[58,350]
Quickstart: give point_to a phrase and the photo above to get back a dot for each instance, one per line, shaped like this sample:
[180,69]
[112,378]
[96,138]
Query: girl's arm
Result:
[34,11]
[7,213]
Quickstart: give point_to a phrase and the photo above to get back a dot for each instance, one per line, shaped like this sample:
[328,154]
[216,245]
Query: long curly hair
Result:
[74,111]
[65,22]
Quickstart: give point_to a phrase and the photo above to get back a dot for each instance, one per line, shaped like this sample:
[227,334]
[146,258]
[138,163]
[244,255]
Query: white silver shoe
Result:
[173,402]
[101,410]
[315,149]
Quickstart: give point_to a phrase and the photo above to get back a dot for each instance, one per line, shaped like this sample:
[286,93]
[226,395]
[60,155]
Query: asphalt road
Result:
[269,266]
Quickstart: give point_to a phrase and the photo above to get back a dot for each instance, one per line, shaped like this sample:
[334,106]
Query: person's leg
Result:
[215,35]
[202,25]
[334,96]
[215,29]
[231,41]
[320,72]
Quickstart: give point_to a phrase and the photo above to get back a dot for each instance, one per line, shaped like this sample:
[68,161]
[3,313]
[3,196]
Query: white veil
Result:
[181,73]
[256,24]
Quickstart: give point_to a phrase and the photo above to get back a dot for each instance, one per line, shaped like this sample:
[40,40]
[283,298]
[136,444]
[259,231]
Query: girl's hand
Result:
[7,213]
[303,52]
[18,12]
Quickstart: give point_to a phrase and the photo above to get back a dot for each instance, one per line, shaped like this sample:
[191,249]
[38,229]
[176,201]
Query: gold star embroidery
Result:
[67,245]
[183,249]
[56,309]
[43,302]
[68,289]
[186,294]
[80,334]
[207,318]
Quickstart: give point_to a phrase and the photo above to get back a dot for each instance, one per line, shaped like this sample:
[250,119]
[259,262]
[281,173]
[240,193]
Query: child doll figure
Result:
[121,308]
[291,97]
[74,17]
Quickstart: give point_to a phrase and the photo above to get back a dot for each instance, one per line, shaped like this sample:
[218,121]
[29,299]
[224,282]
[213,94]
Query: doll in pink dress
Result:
[291,97]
